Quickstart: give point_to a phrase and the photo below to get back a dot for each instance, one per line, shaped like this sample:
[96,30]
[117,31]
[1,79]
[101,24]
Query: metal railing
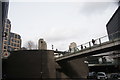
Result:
[93,43]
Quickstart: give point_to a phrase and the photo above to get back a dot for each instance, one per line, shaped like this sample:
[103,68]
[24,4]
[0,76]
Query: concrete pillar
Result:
[59,73]
[75,68]
[42,45]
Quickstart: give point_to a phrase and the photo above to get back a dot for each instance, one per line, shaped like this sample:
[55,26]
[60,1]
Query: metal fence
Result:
[99,41]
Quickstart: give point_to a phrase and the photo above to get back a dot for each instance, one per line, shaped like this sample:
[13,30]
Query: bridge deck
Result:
[96,49]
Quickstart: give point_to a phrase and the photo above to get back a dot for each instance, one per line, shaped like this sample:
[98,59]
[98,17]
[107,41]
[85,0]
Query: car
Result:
[56,55]
[91,75]
[101,75]
[115,76]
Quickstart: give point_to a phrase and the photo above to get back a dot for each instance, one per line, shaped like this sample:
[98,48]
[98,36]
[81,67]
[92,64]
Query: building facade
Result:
[6,37]
[113,29]
[3,16]
[113,26]
[5,6]
[14,42]
[11,41]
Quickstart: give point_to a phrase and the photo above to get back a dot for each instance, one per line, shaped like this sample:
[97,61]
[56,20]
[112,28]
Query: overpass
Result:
[74,61]
[90,49]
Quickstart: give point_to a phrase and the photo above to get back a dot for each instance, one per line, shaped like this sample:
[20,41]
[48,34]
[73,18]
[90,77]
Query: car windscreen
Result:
[100,74]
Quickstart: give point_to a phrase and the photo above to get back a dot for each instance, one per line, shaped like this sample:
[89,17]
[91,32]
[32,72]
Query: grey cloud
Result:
[91,8]
[62,34]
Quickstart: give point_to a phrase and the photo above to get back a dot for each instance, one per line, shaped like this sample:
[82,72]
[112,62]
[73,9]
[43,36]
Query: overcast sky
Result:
[62,22]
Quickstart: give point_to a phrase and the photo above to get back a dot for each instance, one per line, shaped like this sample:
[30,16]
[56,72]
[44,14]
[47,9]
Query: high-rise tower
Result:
[3,17]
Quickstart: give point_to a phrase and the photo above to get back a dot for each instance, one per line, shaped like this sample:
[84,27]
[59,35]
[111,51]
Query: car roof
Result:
[101,72]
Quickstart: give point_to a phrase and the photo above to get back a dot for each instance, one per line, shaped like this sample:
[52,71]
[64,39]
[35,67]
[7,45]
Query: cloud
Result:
[62,33]
[62,24]
[97,8]
[63,0]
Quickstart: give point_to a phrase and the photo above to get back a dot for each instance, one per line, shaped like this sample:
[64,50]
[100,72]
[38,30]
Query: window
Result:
[7,25]
[11,44]
[5,42]
[18,37]
[5,38]
[7,30]
[5,47]
[12,40]
[18,41]
[18,45]
[15,36]
[14,45]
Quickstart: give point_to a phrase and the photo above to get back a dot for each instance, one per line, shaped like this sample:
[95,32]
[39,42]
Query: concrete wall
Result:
[37,64]
[32,64]
[75,68]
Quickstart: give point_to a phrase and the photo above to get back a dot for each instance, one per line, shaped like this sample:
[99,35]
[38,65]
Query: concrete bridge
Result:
[75,61]
[93,50]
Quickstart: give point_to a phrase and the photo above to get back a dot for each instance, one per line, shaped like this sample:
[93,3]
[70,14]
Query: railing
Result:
[93,43]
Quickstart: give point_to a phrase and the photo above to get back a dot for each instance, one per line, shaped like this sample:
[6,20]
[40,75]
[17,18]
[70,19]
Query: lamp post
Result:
[41,75]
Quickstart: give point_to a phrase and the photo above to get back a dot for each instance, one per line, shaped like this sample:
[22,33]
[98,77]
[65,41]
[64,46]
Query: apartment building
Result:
[11,41]
[14,42]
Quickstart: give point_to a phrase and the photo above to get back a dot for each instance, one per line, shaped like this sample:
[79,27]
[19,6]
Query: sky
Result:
[60,22]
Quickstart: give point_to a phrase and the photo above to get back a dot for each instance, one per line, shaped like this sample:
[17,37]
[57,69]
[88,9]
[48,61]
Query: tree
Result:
[30,45]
